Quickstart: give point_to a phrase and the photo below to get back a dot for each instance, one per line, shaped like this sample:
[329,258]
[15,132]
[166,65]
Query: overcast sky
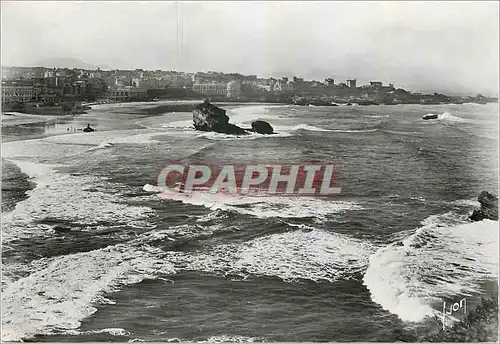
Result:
[447,46]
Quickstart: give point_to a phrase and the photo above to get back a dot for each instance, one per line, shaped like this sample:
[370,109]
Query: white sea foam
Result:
[231,339]
[308,127]
[356,130]
[65,197]
[63,290]
[449,117]
[467,202]
[444,258]
[185,124]
[244,115]
[264,207]
[181,231]
[249,136]
[313,255]
[114,331]
[376,116]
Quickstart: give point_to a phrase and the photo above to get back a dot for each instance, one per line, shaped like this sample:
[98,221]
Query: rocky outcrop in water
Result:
[262,127]
[430,116]
[489,207]
[208,117]
[88,129]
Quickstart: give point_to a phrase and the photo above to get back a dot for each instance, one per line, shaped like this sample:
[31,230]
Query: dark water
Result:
[93,253]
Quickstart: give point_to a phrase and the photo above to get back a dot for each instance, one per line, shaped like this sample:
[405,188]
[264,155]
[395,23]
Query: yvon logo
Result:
[310,179]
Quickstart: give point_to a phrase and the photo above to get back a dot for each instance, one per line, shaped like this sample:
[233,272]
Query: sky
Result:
[422,46]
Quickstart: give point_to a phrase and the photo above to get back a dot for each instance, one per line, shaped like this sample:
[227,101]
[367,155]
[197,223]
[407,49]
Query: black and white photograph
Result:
[249,171]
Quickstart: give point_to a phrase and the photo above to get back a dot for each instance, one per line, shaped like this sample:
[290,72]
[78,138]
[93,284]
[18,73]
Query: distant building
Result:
[178,80]
[233,89]
[123,81]
[95,74]
[351,83]
[17,93]
[215,88]
[280,86]
[375,84]
[126,93]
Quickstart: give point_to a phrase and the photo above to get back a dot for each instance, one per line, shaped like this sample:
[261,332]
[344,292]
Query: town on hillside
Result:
[41,89]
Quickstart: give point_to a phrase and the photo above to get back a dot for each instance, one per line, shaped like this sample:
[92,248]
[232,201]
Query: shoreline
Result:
[11,119]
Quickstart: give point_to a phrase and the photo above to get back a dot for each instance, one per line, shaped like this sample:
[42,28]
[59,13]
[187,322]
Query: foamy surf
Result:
[308,127]
[65,197]
[411,278]
[61,291]
[313,255]
[263,207]
[449,117]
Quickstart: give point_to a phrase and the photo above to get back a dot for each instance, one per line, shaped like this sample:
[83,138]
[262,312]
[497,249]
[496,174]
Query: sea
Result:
[92,252]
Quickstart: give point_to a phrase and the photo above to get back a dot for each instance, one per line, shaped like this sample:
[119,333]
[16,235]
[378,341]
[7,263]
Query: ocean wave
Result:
[61,291]
[308,127]
[313,255]
[102,145]
[114,331]
[249,136]
[376,116]
[467,202]
[185,231]
[242,116]
[449,117]
[263,207]
[372,130]
[232,339]
[185,124]
[64,197]
[446,257]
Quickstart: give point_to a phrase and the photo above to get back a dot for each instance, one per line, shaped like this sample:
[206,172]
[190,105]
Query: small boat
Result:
[430,116]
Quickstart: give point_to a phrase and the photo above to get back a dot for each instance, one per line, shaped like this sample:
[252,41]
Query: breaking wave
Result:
[313,255]
[65,197]
[63,290]
[445,257]
[263,207]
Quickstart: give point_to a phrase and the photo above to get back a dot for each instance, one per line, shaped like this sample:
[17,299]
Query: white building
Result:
[211,88]
[126,93]
[233,89]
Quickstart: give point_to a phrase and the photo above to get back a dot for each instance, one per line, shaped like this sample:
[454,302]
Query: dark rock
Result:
[430,116]
[208,117]
[367,102]
[88,129]
[61,229]
[489,207]
[262,127]
[30,339]
[234,129]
